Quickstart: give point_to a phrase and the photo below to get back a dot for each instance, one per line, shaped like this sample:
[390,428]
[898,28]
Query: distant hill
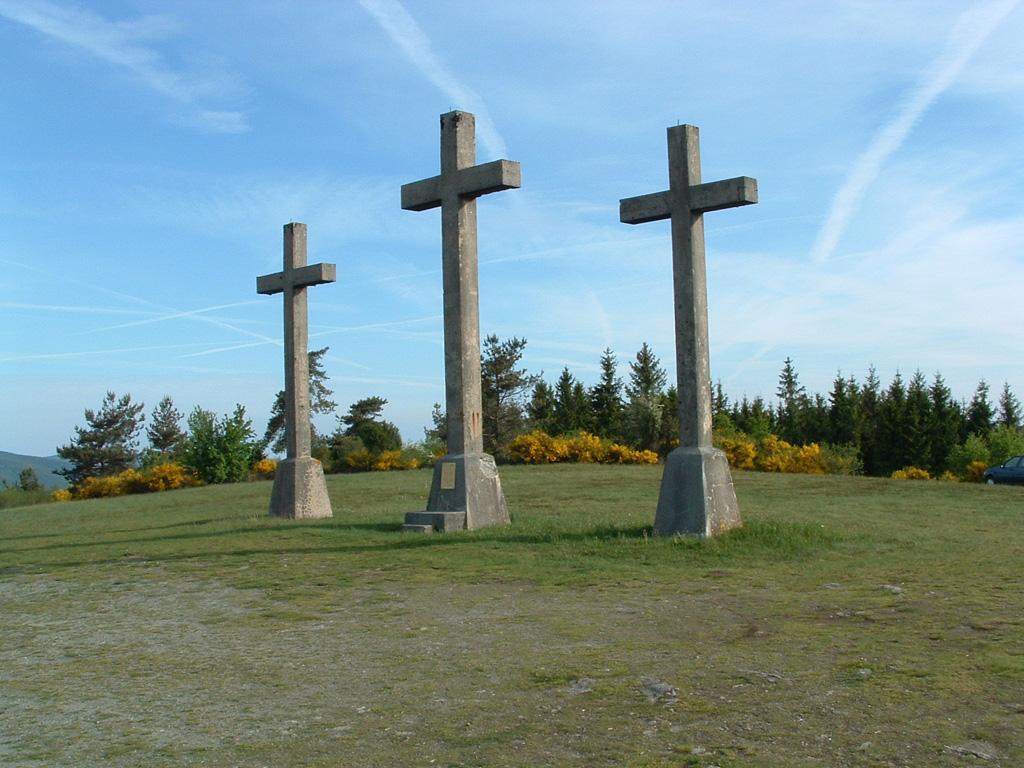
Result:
[11,465]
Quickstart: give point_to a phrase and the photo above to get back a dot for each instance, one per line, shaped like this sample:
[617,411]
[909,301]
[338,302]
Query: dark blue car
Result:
[1010,471]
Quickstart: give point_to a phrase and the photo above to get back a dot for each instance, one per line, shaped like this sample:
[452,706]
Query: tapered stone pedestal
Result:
[464,494]
[299,490]
[697,497]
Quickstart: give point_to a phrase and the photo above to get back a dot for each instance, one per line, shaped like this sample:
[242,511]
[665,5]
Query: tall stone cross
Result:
[299,487]
[466,491]
[697,495]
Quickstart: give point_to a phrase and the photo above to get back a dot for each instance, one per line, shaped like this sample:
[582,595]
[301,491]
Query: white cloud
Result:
[968,34]
[402,28]
[120,44]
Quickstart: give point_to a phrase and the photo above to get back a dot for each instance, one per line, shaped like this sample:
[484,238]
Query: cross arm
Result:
[270,284]
[314,274]
[728,193]
[422,195]
[639,210]
[490,177]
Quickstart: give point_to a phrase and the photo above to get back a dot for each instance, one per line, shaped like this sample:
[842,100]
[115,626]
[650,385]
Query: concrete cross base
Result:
[428,522]
[300,490]
[697,497]
[467,483]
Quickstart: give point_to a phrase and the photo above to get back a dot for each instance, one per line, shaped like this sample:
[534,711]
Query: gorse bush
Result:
[264,469]
[911,473]
[163,477]
[538,447]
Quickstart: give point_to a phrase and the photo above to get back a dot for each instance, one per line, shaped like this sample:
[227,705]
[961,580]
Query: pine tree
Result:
[979,412]
[164,430]
[668,429]
[868,428]
[437,435]
[793,403]
[28,480]
[644,395]
[916,419]
[503,387]
[107,445]
[842,411]
[606,399]
[1009,408]
[364,421]
[540,411]
[319,402]
[815,424]
[892,427]
[944,426]
[719,401]
[571,407]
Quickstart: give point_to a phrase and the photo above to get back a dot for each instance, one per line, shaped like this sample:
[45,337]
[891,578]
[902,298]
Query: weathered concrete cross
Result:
[299,488]
[696,493]
[466,480]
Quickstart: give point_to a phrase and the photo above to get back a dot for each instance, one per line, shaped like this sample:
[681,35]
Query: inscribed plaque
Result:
[448,476]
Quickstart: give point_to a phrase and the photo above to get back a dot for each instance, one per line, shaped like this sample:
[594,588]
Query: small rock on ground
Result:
[979,749]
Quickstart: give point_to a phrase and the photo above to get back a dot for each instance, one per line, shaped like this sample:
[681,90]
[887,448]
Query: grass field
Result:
[851,622]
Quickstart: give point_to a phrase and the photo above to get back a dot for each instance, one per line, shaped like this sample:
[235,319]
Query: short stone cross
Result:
[466,491]
[697,495]
[299,487]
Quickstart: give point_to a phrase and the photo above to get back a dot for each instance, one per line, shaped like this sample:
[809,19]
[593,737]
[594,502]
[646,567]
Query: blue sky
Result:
[150,153]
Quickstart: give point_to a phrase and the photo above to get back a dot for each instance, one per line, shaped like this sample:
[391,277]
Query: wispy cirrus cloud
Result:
[129,45]
[403,30]
[968,34]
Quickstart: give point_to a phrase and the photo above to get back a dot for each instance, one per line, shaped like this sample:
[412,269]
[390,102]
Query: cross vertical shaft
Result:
[299,488]
[693,374]
[466,491]
[461,293]
[296,343]
[697,495]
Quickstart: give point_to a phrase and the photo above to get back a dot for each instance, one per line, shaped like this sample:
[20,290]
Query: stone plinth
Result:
[299,490]
[697,496]
[465,493]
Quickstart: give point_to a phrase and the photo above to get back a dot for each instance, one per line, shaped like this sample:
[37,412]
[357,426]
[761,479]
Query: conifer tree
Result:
[606,399]
[916,418]
[944,424]
[572,408]
[815,424]
[979,412]
[540,411]
[668,431]
[1009,408]
[868,432]
[364,421]
[504,387]
[319,402]
[164,430]
[644,395]
[792,404]
[892,428]
[842,411]
[107,445]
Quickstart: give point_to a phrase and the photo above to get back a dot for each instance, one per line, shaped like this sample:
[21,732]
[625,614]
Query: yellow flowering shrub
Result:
[949,477]
[168,477]
[911,473]
[741,452]
[538,447]
[112,485]
[975,470]
[388,460]
[265,469]
[61,494]
[585,448]
[361,460]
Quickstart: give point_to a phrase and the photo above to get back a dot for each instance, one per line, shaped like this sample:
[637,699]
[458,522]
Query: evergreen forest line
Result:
[859,427]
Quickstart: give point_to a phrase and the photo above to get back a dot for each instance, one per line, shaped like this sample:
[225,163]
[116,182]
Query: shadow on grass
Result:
[763,539]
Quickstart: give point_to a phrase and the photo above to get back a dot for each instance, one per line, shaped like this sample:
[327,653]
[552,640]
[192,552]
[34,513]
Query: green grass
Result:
[852,621]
